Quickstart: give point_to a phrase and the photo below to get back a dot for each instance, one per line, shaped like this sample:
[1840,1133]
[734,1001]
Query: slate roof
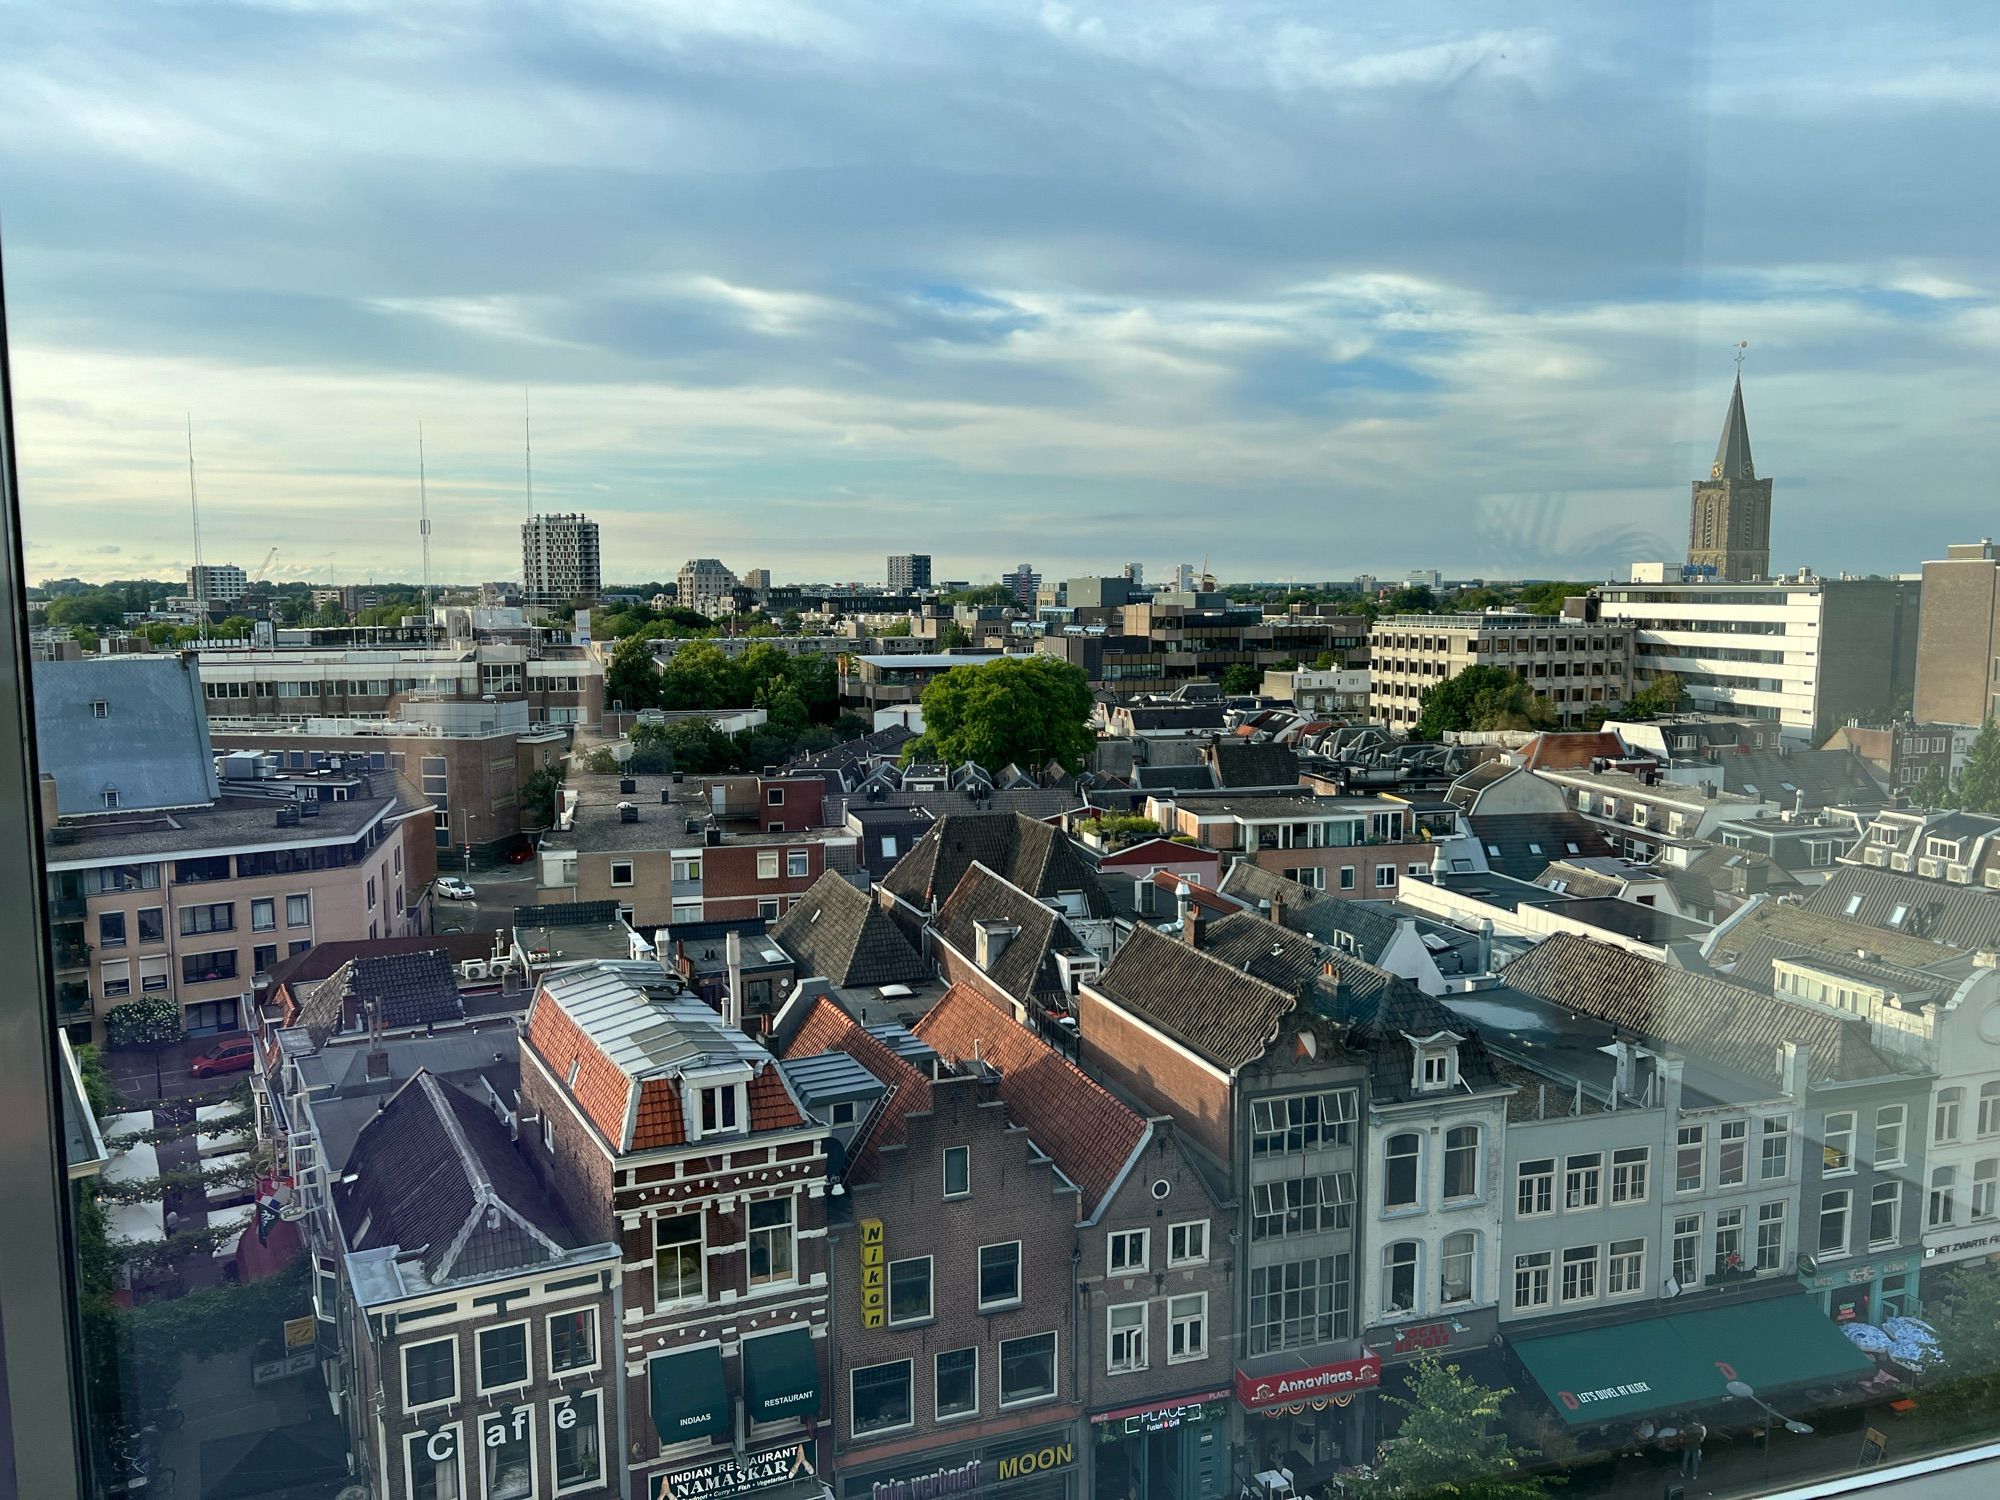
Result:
[1724,1022]
[1732,450]
[1038,857]
[414,988]
[1086,1131]
[1779,929]
[1465,789]
[437,1174]
[883,742]
[1245,763]
[1190,778]
[571,914]
[839,934]
[1026,967]
[1826,777]
[1963,916]
[1259,947]
[1176,716]
[828,1027]
[1527,843]
[1384,1012]
[1578,880]
[1552,749]
[1217,1012]
[152,744]
[320,960]
[1309,911]
[1719,872]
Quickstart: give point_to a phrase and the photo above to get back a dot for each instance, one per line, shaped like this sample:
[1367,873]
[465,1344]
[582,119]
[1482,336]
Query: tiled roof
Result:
[1217,1012]
[152,744]
[1259,947]
[1310,911]
[1026,966]
[412,988]
[1240,763]
[1963,916]
[839,934]
[1551,750]
[1384,1012]
[1825,777]
[1528,842]
[1577,880]
[1775,929]
[1720,871]
[571,914]
[829,1028]
[1087,1132]
[1713,1018]
[1465,790]
[1037,857]
[320,960]
[1193,778]
[436,1173]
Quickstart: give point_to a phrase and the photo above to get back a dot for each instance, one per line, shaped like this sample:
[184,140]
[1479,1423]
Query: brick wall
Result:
[1165,1079]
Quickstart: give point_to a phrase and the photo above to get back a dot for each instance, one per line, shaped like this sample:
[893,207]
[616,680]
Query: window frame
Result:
[700,1243]
[1846,1197]
[938,1414]
[912,1320]
[1583,1182]
[1128,1334]
[1725,1143]
[1125,1238]
[413,1452]
[403,1372]
[1526,1265]
[1197,1349]
[1901,1135]
[621,864]
[479,1338]
[524,1414]
[1390,1157]
[964,1154]
[1588,1261]
[1845,1166]
[1535,1179]
[790,1226]
[570,1400]
[1622,1263]
[1393,1267]
[1470,1255]
[1474,1151]
[1690,1138]
[1631,1178]
[1013,1299]
[854,1374]
[1055,1370]
[596,1346]
[1195,1229]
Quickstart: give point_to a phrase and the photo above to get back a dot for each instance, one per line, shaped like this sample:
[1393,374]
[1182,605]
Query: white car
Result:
[451,888]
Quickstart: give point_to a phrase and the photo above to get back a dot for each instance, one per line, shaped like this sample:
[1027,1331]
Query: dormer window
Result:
[1435,1061]
[1435,1071]
[716,1109]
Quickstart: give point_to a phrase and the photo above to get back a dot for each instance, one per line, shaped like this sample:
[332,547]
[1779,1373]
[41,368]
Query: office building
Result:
[1958,640]
[909,572]
[216,583]
[1582,669]
[559,560]
[758,580]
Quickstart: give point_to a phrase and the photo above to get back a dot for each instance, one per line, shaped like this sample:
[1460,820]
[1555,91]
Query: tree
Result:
[700,676]
[1480,698]
[329,615]
[985,593]
[894,630]
[1932,791]
[1414,600]
[160,633]
[1239,678]
[1979,782]
[98,1088]
[236,628]
[1966,1313]
[538,796]
[699,748]
[1024,710]
[953,636]
[1660,696]
[145,1026]
[632,677]
[1451,1442]
[1547,598]
[84,636]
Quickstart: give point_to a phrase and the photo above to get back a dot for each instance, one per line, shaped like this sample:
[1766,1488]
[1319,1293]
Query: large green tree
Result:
[1451,1442]
[1662,695]
[699,675]
[632,677]
[151,1026]
[1413,600]
[1480,698]
[1979,782]
[1931,790]
[1241,677]
[1024,710]
[1965,1310]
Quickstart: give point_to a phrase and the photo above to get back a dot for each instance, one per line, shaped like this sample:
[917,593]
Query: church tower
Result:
[1729,531]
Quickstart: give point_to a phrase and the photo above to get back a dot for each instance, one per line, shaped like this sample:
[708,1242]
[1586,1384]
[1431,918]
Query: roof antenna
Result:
[424,529]
[200,572]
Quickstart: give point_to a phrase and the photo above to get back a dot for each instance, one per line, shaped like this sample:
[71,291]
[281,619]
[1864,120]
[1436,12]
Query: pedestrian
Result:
[173,1220]
[1692,1437]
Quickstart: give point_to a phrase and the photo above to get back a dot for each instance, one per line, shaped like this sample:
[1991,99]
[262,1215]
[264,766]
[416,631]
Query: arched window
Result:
[1457,1267]
[1399,1277]
[1399,1170]
[1461,1162]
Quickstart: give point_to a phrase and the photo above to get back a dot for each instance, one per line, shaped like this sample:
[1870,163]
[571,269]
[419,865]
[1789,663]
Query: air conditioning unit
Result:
[1901,862]
[1993,878]
[1960,873]
[1876,855]
[1930,865]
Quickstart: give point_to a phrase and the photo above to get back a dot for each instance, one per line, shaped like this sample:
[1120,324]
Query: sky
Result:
[1299,289]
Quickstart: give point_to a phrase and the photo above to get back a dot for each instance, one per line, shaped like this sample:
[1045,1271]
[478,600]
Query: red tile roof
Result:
[829,1028]
[1211,901]
[1550,751]
[600,1088]
[771,1104]
[1086,1131]
[661,1121]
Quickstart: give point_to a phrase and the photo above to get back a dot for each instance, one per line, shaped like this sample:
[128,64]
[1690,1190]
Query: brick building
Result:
[1349,846]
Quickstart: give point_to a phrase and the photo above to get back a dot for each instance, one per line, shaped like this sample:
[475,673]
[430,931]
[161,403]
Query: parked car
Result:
[233,1056]
[521,853]
[451,888]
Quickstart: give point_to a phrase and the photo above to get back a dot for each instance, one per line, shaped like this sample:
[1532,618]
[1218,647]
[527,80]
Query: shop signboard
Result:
[734,1474]
[1163,1416]
[999,1463]
[874,1275]
[1313,1383]
[1826,1278]
[1947,1245]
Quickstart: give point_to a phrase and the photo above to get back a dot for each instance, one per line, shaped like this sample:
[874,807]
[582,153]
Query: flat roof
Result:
[231,823]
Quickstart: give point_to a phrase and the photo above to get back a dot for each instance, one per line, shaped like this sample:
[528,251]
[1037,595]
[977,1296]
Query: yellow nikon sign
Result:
[874,1275]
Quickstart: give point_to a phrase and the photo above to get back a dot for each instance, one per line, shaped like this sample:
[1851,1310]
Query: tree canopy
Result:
[1021,710]
[1480,698]
[1662,695]
[1413,600]
[1979,782]
[1451,1442]
[1241,677]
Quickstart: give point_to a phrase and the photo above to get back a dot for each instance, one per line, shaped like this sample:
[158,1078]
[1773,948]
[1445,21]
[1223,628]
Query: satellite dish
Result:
[353,1492]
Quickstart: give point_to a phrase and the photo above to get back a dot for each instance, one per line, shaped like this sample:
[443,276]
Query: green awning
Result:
[1686,1359]
[781,1376]
[688,1397]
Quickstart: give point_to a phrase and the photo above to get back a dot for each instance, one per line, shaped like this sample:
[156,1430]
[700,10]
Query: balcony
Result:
[73,1002]
[71,955]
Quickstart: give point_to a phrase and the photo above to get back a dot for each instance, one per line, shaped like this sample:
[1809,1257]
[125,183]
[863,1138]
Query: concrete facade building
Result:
[560,560]
[216,583]
[1958,642]
[909,572]
[706,587]
[559,685]
[1583,668]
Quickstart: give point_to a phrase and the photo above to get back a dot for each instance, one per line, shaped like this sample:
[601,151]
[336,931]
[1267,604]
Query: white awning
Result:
[217,1145]
[228,1192]
[135,1163]
[134,1222]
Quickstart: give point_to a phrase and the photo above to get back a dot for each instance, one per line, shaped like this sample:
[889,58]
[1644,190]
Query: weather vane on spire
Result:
[1741,346]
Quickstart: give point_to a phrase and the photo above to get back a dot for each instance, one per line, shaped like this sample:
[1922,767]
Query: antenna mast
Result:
[424,527]
[200,572]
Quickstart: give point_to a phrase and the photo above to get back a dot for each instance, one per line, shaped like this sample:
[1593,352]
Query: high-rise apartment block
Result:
[1729,530]
[758,580]
[909,572]
[1958,643]
[559,560]
[217,583]
[1025,582]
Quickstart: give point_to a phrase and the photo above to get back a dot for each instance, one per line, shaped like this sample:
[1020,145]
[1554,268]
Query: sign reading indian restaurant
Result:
[1313,1383]
[734,1475]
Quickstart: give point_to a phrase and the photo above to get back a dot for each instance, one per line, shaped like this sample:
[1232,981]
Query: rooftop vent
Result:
[627,785]
[627,813]
[666,796]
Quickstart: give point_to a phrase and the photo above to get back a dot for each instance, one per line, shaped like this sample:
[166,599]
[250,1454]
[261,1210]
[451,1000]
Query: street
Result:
[500,889]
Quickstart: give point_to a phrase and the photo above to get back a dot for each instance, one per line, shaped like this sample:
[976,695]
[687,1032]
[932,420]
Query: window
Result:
[263,914]
[677,1259]
[503,1357]
[956,1386]
[1347,877]
[1125,1338]
[1535,1187]
[621,872]
[573,1340]
[1301,1302]
[798,864]
[957,1171]
[767,865]
[1989,1108]
[153,971]
[507,1453]
[1399,1173]
[577,1425]
[1579,1273]
[1385,876]
[207,968]
[1732,1152]
[434,1467]
[774,796]
[999,1275]
[1301,1205]
[1728,1240]
[1944,1114]
[371,893]
[1771,1236]
[719,1109]
[430,1373]
[1532,1275]
[152,924]
[1583,1181]
[1775,1154]
[1187,1244]
[1985,1184]
[768,909]
[1838,1142]
[1399,1277]
[1690,1147]
[218,916]
[1687,1249]
[1027,1369]
[1461,1162]
[910,1290]
[1944,1196]
[1455,1266]
[1434,1069]
[1126,1251]
[1302,1122]
[298,911]
[1187,1327]
[771,1241]
[1833,1222]
[1630,1167]
[879,1398]
[111,929]
[116,976]
[1889,1135]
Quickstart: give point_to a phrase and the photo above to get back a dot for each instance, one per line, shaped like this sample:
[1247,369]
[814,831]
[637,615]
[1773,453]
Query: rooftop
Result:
[1038,858]
[231,824]
[134,723]
[839,933]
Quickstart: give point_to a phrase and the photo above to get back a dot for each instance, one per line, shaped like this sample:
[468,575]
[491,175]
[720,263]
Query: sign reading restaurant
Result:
[1314,1383]
[734,1475]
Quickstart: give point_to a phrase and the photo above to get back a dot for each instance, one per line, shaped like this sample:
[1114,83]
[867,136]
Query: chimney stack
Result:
[732,1000]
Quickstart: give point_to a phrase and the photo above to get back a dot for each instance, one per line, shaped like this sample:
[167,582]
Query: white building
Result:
[216,583]
[560,562]
[1581,668]
[706,587]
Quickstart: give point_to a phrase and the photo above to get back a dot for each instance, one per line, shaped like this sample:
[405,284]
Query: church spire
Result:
[1732,454]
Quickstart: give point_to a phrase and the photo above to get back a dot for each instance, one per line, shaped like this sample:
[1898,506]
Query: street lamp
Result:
[1742,1391]
[470,819]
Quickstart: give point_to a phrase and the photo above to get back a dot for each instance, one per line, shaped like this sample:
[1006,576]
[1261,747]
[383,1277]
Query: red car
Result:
[520,854]
[232,1056]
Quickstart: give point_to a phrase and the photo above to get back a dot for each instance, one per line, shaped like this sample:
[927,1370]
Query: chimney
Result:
[1194,926]
[732,1000]
[1278,910]
[1486,945]
[990,940]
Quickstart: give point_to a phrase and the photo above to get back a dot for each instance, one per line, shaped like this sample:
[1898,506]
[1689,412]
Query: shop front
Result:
[1952,1246]
[1311,1420]
[1172,1449]
[1867,1291]
[1466,1338]
[1043,1464]
[768,1449]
